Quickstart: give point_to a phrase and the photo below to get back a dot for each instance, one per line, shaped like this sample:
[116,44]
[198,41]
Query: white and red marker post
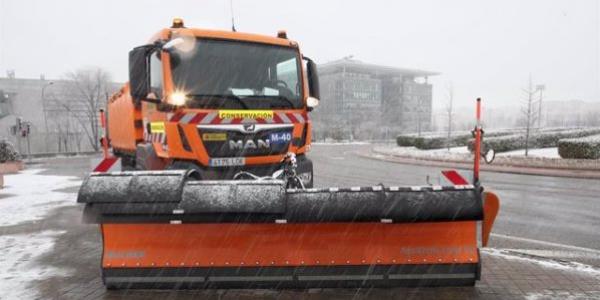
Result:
[477,148]
[455,177]
[108,162]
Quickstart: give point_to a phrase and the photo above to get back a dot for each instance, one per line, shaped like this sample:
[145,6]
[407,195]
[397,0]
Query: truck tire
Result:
[127,162]
[146,158]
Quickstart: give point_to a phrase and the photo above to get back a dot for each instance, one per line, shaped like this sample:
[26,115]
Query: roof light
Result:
[282,34]
[177,23]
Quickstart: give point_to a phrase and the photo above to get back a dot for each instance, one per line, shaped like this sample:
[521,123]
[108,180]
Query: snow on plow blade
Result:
[161,230]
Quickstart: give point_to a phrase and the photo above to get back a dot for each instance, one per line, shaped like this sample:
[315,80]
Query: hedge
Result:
[582,148]
[440,140]
[536,140]
[8,152]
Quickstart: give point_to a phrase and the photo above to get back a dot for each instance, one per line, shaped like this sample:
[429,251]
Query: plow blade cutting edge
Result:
[164,230]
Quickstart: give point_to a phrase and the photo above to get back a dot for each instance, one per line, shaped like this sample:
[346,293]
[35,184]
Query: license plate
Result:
[227,162]
[280,137]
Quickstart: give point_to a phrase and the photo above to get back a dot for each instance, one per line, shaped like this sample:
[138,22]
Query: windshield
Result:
[232,74]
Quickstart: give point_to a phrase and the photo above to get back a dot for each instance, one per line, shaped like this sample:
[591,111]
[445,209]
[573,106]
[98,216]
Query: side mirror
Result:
[313,83]
[139,72]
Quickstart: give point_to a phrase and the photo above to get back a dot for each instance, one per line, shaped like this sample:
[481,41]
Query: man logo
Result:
[249,144]
[249,127]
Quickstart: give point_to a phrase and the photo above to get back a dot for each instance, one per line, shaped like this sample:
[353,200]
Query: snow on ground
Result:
[547,263]
[463,152]
[31,195]
[459,150]
[542,152]
[18,265]
[327,143]
[453,153]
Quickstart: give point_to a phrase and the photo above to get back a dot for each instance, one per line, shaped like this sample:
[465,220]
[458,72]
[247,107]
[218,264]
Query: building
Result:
[361,100]
[57,113]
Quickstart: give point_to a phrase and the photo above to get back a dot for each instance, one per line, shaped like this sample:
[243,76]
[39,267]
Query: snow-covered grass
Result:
[31,195]
[18,265]
[454,152]
[463,152]
[541,152]
[460,150]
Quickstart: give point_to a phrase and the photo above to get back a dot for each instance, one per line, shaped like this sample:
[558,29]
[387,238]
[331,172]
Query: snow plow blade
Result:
[163,230]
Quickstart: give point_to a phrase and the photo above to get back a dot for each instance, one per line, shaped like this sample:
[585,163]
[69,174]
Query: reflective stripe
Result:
[284,118]
[340,277]
[153,279]
[299,117]
[209,118]
[249,278]
[431,276]
[186,119]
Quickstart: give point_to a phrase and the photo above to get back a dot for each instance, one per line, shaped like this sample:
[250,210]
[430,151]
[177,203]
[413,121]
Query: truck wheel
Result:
[146,158]
[127,162]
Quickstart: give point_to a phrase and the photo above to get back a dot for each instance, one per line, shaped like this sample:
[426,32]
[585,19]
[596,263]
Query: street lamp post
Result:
[540,88]
[45,116]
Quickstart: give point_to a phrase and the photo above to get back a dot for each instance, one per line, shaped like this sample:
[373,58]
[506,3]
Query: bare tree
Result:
[528,112]
[450,112]
[87,92]
[62,125]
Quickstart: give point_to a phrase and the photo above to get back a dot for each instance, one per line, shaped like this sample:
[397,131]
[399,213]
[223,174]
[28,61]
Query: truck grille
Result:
[238,141]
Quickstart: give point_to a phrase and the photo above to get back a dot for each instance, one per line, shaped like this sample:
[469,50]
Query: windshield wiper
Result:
[277,97]
[227,97]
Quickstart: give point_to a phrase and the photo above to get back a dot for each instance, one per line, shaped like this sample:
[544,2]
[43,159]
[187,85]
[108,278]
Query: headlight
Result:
[177,98]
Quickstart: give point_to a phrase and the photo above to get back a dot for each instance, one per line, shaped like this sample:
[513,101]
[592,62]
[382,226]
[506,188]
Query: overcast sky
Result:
[485,48]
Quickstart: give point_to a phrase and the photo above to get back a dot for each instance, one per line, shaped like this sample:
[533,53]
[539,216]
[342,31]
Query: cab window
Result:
[156,75]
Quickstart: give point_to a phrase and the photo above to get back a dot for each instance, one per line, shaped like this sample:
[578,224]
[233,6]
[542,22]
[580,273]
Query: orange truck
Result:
[212,131]
[216,102]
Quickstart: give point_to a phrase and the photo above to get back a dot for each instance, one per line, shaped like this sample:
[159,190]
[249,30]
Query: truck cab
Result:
[218,102]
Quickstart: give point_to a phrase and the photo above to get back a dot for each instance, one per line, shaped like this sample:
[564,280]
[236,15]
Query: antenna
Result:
[232,18]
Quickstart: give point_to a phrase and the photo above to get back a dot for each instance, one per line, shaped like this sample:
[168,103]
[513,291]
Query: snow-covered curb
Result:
[569,168]
[458,156]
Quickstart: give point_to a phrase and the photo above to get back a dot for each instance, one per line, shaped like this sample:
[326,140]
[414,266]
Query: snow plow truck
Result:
[216,190]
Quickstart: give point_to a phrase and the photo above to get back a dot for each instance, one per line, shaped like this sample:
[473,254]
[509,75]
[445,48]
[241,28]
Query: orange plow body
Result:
[255,255]
[167,230]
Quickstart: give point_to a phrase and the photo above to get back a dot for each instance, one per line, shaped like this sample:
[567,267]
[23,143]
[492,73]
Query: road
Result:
[545,216]
[553,222]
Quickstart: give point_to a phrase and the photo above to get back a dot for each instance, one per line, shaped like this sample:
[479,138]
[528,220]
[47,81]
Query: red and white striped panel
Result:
[213,118]
[109,164]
